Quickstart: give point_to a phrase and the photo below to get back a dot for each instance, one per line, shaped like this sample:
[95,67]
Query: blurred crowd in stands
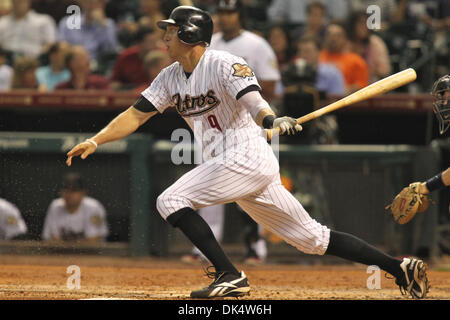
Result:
[117,46]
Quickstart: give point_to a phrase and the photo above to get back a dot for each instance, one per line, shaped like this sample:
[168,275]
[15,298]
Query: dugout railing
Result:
[343,186]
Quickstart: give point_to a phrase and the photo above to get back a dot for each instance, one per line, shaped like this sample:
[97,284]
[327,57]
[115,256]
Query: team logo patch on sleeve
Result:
[242,70]
[96,220]
[11,221]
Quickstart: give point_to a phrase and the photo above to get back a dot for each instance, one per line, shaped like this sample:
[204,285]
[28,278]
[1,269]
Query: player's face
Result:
[442,99]
[228,21]
[72,198]
[175,47]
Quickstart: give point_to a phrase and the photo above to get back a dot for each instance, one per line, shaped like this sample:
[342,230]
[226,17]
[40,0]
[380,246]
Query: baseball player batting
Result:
[217,91]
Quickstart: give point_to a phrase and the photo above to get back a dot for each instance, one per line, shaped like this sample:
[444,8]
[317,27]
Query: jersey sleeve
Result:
[96,225]
[157,93]
[142,104]
[238,76]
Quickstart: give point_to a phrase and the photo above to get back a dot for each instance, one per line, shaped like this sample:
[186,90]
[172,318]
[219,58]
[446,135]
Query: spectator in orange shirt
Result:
[336,51]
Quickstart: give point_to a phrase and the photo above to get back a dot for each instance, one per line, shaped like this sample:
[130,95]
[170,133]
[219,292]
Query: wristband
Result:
[435,183]
[267,122]
[93,142]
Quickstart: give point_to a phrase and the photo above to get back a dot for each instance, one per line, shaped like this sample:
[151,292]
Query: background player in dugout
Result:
[75,216]
[187,33]
[12,225]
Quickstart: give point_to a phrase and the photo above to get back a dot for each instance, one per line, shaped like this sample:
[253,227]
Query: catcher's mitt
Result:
[407,203]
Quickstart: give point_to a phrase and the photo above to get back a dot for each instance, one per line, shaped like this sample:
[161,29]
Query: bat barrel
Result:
[382,86]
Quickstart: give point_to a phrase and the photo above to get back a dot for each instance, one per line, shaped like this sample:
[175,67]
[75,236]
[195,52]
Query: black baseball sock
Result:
[198,231]
[349,247]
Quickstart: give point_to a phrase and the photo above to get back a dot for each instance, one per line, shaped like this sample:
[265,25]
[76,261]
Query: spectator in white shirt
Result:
[295,11]
[25,32]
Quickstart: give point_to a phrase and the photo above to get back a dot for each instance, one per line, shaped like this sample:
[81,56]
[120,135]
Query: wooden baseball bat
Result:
[381,86]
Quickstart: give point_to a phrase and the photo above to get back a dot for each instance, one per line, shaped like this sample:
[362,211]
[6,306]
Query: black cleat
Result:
[414,280]
[224,285]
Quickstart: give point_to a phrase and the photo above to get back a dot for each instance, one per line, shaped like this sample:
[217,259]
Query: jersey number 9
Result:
[214,123]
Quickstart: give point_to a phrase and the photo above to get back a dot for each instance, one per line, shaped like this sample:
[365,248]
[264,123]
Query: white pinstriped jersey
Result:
[251,179]
[207,98]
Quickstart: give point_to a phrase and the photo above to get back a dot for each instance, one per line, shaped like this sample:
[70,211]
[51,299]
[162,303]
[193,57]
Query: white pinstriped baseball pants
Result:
[254,183]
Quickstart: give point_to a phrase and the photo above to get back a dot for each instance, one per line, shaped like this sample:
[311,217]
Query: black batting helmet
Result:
[232,6]
[195,25]
[441,104]
[229,5]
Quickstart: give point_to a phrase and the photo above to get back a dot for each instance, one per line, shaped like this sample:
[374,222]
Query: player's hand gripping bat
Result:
[381,86]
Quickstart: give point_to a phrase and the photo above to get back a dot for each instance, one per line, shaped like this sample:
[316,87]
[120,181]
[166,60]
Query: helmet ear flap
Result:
[189,33]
